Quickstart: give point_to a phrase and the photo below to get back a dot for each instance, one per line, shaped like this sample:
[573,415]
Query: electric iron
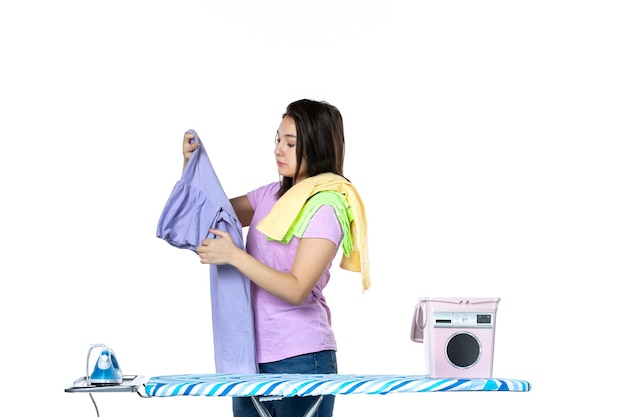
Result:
[107,371]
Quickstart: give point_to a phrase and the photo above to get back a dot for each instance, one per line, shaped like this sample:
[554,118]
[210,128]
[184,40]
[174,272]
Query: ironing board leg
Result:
[313,408]
[264,412]
[260,408]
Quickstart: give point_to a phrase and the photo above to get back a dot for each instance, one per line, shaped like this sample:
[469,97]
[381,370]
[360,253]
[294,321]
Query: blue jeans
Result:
[324,362]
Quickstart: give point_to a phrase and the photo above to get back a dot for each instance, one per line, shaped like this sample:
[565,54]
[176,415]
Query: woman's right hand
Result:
[188,146]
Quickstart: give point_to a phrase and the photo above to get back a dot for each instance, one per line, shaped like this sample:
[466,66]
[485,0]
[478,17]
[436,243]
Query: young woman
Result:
[292,320]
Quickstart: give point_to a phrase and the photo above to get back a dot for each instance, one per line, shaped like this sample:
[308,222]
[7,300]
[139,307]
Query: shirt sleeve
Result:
[325,225]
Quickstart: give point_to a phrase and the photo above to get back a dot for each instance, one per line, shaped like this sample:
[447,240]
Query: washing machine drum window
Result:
[463,350]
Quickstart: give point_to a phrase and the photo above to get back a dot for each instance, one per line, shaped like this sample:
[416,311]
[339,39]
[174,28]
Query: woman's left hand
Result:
[219,250]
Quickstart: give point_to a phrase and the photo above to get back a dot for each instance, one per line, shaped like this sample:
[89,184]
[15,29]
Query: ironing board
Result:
[270,387]
[267,387]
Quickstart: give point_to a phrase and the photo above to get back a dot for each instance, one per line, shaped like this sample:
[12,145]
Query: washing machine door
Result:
[463,350]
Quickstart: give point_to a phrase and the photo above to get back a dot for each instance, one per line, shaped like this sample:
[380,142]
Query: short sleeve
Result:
[324,224]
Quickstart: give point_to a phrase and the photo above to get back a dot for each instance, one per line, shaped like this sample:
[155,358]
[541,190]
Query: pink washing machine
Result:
[458,335]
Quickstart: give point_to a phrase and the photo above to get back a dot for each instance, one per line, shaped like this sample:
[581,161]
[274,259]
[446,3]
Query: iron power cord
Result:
[92,347]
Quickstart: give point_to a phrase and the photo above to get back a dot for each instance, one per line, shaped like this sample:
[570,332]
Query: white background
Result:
[485,137]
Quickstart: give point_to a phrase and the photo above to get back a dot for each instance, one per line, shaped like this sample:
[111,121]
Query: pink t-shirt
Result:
[282,329]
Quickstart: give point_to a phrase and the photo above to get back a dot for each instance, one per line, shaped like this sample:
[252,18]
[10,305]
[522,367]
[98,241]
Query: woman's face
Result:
[285,151]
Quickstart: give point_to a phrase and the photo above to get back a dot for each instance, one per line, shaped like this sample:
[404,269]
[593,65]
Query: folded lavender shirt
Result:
[197,203]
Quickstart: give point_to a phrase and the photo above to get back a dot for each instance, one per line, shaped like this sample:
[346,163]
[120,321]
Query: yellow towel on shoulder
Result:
[276,224]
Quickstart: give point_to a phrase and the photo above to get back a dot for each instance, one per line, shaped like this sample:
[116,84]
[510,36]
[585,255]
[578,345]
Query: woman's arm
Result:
[312,257]
[243,209]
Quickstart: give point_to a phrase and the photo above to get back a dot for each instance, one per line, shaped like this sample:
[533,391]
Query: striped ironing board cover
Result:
[290,385]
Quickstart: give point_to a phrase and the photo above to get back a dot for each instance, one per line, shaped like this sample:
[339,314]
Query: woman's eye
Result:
[289,145]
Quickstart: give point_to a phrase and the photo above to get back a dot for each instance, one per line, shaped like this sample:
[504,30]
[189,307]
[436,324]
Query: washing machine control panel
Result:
[463,319]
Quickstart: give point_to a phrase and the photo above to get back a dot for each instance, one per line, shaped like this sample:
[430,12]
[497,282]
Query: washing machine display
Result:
[467,320]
